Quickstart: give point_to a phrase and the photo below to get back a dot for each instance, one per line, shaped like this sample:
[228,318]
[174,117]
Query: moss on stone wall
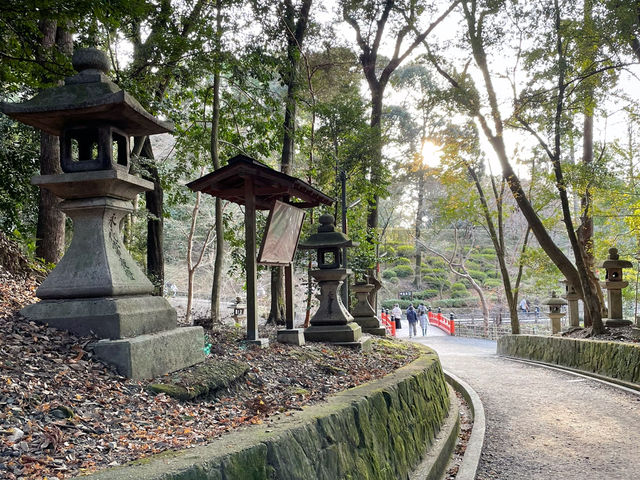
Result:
[380,430]
[612,359]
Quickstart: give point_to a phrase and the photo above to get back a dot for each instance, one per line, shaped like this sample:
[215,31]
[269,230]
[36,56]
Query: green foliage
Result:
[19,152]
[388,274]
[492,283]
[458,290]
[478,275]
[402,261]
[456,302]
[403,271]
[405,251]
[425,294]
[403,304]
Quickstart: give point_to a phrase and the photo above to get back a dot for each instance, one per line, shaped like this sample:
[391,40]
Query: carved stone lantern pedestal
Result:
[97,288]
[363,313]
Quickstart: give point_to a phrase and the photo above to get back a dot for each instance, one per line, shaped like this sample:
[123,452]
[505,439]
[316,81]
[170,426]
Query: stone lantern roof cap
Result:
[614,260]
[327,237]
[554,300]
[85,98]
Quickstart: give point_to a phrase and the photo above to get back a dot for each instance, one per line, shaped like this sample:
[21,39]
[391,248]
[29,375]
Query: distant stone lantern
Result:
[572,297]
[555,311]
[97,288]
[614,284]
[332,322]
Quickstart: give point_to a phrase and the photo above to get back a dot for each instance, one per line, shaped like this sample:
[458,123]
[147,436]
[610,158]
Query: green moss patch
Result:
[204,379]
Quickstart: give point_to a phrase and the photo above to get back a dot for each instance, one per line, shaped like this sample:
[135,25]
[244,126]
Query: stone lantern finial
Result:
[90,59]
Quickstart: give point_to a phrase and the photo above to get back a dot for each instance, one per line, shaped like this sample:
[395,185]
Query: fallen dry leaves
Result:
[63,413]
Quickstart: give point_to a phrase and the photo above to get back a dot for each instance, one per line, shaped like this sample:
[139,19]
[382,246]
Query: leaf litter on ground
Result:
[63,413]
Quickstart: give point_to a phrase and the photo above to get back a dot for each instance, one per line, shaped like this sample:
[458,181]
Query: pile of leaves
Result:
[611,334]
[63,413]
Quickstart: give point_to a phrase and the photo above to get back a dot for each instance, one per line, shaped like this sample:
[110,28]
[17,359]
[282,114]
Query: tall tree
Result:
[295,25]
[369,21]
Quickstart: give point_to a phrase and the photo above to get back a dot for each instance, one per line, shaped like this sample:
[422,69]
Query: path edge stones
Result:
[379,430]
[471,459]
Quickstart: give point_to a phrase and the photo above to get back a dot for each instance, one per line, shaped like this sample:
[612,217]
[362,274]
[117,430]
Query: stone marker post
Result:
[97,288]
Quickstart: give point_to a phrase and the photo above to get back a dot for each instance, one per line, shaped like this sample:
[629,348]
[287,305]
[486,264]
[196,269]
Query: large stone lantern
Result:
[332,322]
[555,311]
[97,288]
[614,285]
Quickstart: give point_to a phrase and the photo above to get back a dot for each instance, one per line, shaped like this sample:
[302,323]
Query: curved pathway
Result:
[544,424]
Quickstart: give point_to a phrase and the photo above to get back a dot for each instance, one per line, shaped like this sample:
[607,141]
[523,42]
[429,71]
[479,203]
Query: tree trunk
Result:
[50,230]
[155,222]
[295,31]
[419,216]
[219,224]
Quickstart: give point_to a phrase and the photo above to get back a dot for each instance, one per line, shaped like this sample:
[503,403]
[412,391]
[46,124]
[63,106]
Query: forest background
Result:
[489,147]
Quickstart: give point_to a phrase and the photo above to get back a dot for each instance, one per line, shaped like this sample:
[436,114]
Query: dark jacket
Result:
[411,315]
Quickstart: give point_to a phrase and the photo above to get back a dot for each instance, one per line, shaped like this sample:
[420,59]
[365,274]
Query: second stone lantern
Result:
[97,288]
[332,321]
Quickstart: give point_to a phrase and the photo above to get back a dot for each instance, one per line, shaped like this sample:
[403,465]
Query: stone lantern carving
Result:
[614,284]
[332,322]
[572,297]
[555,311]
[97,288]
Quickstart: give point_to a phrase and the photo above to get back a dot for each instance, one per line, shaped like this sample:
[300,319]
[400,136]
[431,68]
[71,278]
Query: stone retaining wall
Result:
[611,359]
[380,430]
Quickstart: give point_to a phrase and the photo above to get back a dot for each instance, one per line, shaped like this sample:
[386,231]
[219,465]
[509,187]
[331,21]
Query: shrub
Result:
[389,274]
[403,271]
[402,261]
[492,283]
[458,290]
[403,304]
[389,250]
[488,251]
[455,302]
[405,251]
[425,294]
[478,275]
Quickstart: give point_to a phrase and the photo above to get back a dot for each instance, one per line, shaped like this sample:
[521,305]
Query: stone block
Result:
[294,336]
[351,332]
[370,325]
[258,342]
[109,317]
[148,356]
[364,344]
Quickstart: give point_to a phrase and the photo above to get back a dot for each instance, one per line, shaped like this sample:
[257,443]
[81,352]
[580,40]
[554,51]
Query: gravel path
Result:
[544,424]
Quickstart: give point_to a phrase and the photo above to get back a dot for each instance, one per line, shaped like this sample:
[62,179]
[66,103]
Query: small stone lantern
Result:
[555,311]
[97,288]
[572,297]
[332,322]
[614,284]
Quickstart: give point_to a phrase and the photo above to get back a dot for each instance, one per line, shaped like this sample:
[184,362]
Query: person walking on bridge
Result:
[422,318]
[412,318]
[396,315]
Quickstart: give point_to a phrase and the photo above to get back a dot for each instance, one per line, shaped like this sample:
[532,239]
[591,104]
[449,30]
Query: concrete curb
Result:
[613,382]
[471,458]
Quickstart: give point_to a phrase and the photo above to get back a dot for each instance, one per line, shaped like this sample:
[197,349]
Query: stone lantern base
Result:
[332,322]
[98,289]
[363,313]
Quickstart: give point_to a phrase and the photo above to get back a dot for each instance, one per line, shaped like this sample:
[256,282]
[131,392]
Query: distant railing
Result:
[445,324]
[476,328]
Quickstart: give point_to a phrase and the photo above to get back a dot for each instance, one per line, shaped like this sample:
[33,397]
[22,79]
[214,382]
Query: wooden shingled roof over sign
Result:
[228,183]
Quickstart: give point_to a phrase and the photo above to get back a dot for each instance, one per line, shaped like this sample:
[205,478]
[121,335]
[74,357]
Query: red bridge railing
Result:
[443,323]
